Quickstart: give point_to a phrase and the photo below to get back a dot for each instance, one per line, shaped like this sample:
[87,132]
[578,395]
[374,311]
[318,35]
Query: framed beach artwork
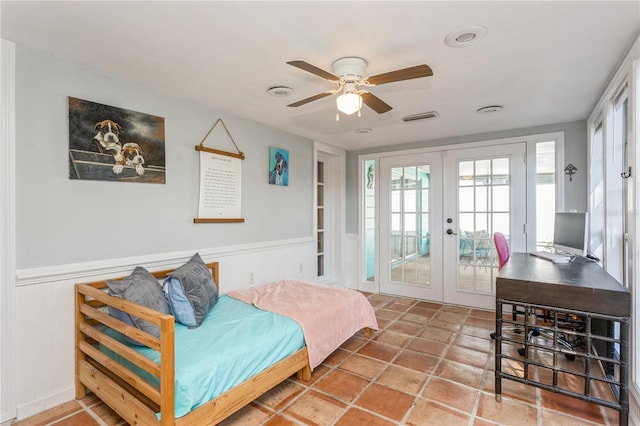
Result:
[115,144]
[278,166]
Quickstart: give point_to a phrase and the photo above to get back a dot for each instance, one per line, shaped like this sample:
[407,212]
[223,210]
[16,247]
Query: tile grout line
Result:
[92,414]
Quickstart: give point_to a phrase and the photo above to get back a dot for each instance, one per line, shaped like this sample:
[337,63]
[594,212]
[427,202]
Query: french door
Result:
[411,226]
[485,193]
[438,212]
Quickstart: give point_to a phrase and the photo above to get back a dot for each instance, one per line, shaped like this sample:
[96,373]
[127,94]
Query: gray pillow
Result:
[142,288]
[191,292]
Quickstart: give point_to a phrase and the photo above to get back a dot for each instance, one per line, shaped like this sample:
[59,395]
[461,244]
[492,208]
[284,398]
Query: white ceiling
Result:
[544,61]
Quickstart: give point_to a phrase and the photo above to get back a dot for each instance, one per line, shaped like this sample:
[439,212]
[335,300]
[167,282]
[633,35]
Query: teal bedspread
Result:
[235,342]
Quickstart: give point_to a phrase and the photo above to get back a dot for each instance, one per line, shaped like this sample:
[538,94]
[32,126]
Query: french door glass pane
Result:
[483,208]
[410,214]
[501,199]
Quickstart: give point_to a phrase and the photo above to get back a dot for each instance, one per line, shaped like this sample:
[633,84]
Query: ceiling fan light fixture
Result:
[349,103]
[350,68]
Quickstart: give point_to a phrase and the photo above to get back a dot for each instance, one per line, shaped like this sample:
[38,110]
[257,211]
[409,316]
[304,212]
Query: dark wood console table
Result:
[559,303]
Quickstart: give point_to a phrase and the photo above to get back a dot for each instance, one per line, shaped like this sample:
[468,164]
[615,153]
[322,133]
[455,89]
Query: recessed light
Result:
[279,91]
[466,36]
[363,130]
[489,109]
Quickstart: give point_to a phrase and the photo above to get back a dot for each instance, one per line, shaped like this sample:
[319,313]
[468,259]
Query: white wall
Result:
[70,231]
[62,221]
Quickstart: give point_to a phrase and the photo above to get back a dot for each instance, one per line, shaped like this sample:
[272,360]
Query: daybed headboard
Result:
[212,266]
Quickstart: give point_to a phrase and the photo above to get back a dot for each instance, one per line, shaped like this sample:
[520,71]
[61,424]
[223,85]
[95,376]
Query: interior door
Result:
[411,226]
[485,192]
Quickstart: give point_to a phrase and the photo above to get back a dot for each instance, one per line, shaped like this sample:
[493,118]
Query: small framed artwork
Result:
[115,144]
[278,166]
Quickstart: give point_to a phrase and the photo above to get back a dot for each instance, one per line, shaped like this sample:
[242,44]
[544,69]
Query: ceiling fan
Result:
[349,74]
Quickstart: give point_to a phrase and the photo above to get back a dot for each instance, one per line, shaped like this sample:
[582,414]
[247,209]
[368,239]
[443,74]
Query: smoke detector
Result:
[279,91]
[489,109]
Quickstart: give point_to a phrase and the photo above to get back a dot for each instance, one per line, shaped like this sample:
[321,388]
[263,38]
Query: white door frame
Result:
[8,361]
[334,202]
[516,152]
[434,290]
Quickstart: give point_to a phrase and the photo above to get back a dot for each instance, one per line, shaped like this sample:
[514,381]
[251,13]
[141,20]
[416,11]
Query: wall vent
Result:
[422,116]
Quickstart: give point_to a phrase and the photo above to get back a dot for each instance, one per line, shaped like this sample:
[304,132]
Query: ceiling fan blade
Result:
[375,103]
[313,70]
[417,71]
[310,99]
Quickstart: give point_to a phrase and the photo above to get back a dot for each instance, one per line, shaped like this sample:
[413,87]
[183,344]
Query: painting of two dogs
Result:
[110,143]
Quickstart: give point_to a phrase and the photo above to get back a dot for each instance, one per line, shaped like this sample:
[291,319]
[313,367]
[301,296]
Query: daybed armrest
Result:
[111,380]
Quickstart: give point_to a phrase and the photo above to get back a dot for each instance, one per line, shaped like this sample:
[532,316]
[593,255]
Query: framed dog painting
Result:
[115,144]
[278,166]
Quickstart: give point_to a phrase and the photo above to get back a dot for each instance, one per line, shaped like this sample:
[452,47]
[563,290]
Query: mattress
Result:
[235,342]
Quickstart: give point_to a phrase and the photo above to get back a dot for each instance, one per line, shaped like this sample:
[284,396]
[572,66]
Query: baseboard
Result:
[40,405]
[368,286]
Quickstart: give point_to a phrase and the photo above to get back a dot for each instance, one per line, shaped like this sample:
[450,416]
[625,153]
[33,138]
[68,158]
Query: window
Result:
[608,195]
[320,218]
[545,153]
[614,136]
[596,193]
[545,169]
[369,219]
[615,158]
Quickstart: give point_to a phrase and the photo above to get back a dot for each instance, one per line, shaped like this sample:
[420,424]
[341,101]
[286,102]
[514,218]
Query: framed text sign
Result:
[220,186]
[220,183]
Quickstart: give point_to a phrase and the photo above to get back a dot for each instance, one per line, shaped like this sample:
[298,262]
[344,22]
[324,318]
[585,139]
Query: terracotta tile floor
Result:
[430,364]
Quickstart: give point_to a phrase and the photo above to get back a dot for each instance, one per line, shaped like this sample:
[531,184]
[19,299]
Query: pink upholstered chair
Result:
[502,247]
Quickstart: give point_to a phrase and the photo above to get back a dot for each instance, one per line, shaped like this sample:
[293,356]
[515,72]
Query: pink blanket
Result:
[328,315]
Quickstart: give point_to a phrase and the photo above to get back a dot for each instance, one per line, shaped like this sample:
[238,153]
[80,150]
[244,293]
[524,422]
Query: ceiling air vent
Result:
[422,116]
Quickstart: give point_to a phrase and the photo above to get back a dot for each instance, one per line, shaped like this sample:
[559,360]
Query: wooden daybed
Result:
[126,391]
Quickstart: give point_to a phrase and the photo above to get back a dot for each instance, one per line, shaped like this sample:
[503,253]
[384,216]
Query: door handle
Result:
[450,232]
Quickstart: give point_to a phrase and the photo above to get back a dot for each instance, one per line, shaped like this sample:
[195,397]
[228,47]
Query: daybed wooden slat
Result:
[122,350]
[124,373]
[121,401]
[124,305]
[79,337]
[119,326]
